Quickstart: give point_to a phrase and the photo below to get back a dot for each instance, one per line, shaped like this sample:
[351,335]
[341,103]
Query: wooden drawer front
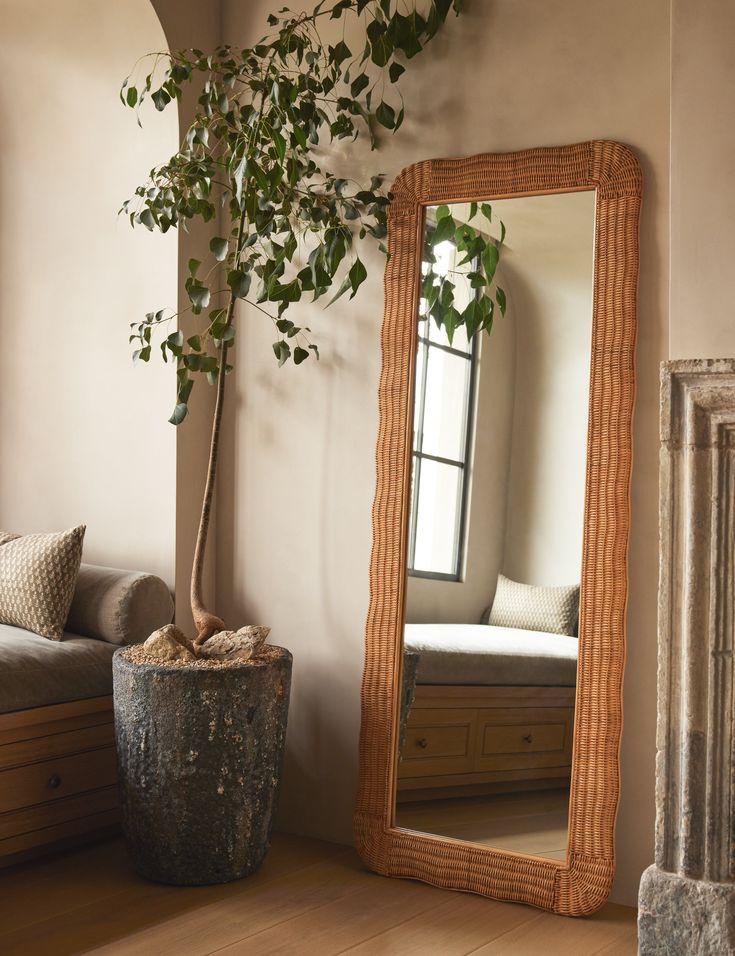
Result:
[522,738]
[438,742]
[45,815]
[525,738]
[56,745]
[56,778]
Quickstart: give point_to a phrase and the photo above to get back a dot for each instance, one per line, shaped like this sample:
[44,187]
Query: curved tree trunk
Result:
[206,622]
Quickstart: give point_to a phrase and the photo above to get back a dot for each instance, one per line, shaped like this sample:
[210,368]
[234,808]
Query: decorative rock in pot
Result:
[200,744]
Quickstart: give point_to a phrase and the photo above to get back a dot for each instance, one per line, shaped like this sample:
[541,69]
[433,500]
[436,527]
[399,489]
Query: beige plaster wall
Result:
[83,433]
[702,177]
[298,472]
[550,290]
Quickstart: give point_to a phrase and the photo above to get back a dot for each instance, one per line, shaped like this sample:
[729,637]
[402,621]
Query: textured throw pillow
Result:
[531,608]
[38,573]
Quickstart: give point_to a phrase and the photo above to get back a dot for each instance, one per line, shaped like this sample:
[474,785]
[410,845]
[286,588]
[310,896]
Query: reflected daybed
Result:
[493,710]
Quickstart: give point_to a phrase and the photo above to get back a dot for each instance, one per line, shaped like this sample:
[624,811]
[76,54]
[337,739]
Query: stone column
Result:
[687,899]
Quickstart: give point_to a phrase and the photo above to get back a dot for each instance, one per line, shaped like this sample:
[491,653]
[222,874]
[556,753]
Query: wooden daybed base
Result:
[463,740]
[57,777]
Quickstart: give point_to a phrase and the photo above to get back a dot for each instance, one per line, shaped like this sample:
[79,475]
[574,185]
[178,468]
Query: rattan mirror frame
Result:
[582,883]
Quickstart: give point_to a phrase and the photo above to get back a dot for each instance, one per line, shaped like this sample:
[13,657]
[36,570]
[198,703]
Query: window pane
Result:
[445,406]
[437,524]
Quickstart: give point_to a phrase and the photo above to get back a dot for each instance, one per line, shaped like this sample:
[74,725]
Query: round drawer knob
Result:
[54,781]
[528,738]
[423,743]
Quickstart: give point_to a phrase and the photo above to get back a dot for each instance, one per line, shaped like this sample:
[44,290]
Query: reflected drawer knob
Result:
[54,781]
[528,739]
[423,743]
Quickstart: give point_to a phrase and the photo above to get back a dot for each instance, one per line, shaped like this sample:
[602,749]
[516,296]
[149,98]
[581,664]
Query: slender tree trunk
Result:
[206,622]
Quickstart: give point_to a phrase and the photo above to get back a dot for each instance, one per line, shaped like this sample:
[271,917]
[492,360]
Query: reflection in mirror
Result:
[495,524]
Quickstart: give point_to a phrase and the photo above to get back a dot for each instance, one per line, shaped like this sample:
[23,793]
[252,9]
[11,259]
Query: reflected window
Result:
[442,421]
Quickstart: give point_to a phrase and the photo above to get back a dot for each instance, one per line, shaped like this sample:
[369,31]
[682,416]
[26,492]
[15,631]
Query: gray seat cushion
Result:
[484,654]
[35,671]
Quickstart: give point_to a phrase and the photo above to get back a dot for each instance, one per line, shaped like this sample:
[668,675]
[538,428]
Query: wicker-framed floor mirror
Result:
[495,644]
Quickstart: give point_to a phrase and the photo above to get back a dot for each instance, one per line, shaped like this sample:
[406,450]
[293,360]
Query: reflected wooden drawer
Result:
[524,738]
[438,742]
[460,737]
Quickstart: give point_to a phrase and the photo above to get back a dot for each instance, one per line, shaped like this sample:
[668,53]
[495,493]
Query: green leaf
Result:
[338,54]
[357,275]
[299,355]
[500,296]
[490,259]
[282,351]
[451,323]
[280,145]
[195,343]
[381,45]
[193,266]
[131,96]
[359,84]
[473,210]
[442,212]
[346,284]
[502,233]
[395,71]
[219,247]
[476,280]
[146,218]
[472,317]
[179,413]
[239,283]
[161,99]
[386,116]
[445,229]
[487,210]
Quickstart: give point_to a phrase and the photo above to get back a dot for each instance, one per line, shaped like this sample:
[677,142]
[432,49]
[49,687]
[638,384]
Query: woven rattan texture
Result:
[582,884]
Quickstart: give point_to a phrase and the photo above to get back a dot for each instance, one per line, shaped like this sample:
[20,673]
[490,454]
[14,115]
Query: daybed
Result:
[57,758]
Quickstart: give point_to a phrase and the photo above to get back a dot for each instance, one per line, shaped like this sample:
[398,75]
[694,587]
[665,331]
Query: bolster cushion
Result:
[121,607]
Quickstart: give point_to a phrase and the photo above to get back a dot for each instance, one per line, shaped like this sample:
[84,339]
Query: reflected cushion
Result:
[528,607]
[38,573]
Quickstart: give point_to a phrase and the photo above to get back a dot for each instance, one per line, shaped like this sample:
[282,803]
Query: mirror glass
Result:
[496,522]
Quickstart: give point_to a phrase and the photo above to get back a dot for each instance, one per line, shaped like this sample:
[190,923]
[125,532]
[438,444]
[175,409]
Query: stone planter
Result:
[199,759]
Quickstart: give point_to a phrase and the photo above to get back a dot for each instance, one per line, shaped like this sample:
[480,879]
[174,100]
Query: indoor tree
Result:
[288,226]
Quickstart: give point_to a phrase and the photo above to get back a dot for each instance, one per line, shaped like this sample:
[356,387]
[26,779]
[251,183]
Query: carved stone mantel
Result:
[687,899]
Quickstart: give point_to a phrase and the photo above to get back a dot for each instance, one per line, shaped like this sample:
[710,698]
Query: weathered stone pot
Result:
[199,759]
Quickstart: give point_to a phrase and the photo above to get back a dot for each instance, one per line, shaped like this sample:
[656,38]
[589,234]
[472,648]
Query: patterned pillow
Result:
[531,608]
[38,573]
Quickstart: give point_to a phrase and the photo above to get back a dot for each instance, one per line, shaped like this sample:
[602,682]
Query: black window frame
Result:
[418,455]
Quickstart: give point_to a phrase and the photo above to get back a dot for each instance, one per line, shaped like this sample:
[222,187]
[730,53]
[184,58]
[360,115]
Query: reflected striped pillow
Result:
[38,574]
[528,607]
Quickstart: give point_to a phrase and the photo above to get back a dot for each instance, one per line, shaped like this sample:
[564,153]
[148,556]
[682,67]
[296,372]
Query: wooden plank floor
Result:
[308,898]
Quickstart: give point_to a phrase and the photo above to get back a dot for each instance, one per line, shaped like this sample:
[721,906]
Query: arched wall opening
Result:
[84,436]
